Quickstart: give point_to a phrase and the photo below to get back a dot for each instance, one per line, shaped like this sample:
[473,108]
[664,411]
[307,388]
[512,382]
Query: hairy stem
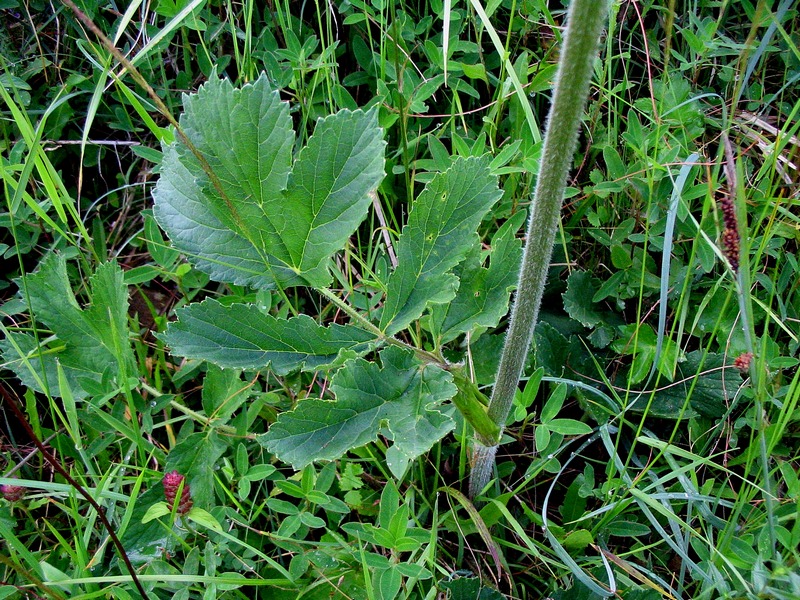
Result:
[584,26]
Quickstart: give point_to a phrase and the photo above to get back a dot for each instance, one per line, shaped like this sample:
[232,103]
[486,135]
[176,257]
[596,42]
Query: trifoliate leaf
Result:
[440,231]
[401,398]
[240,336]
[483,293]
[260,223]
[89,342]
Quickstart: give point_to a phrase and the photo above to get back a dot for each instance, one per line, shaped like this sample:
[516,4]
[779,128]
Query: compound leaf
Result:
[89,342]
[240,336]
[258,223]
[441,229]
[402,397]
[483,293]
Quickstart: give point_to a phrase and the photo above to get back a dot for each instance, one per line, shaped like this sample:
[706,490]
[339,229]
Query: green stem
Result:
[196,416]
[472,404]
[584,26]
[380,336]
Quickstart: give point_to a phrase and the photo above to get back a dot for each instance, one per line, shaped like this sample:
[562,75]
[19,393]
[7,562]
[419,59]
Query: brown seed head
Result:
[728,211]
[730,247]
[730,235]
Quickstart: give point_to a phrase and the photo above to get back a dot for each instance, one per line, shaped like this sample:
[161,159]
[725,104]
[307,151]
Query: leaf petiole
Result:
[380,336]
[473,405]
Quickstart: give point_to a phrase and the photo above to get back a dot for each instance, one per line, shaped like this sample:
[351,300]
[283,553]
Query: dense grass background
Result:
[684,365]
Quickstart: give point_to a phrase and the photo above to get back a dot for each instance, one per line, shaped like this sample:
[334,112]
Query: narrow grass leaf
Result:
[14,543]
[666,257]
[72,424]
[481,526]
[647,505]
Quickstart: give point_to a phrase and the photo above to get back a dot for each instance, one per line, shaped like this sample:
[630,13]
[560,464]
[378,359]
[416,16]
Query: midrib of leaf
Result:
[241,336]
[340,147]
[315,212]
[264,172]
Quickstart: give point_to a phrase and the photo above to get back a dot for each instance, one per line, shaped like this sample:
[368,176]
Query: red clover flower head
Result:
[11,492]
[742,362]
[172,482]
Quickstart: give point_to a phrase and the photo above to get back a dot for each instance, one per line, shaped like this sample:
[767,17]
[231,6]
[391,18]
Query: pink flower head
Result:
[172,482]
[742,362]
[11,492]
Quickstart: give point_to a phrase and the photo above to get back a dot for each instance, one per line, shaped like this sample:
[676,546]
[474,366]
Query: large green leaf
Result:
[441,229]
[483,293]
[401,399]
[90,341]
[578,299]
[146,542]
[702,379]
[241,336]
[271,224]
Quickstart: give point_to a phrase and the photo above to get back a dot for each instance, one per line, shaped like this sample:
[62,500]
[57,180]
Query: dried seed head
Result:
[11,492]
[730,247]
[172,482]
[742,362]
[728,211]
[730,236]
